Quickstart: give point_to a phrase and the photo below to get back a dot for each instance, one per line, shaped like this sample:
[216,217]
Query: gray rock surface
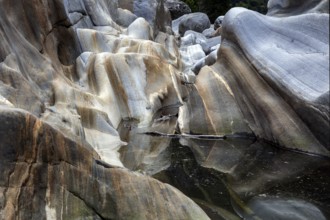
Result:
[69,75]
[218,22]
[295,7]
[208,60]
[152,10]
[289,65]
[210,44]
[140,29]
[72,73]
[193,37]
[53,177]
[209,32]
[125,17]
[177,8]
[195,21]
[267,76]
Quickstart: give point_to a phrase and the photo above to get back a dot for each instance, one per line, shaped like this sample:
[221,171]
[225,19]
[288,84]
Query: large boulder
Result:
[69,75]
[195,21]
[209,96]
[125,17]
[153,11]
[73,73]
[271,75]
[280,84]
[140,29]
[192,38]
[296,7]
[218,22]
[46,175]
[177,8]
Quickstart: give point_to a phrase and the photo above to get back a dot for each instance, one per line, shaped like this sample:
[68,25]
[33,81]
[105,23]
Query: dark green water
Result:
[236,178]
[263,183]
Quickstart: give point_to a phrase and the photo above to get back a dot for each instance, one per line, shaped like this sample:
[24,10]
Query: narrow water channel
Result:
[234,178]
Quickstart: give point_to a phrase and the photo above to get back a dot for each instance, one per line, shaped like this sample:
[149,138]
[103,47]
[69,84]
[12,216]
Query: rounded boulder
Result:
[195,21]
[177,8]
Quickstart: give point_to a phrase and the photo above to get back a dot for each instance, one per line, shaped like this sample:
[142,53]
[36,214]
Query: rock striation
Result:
[276,74]
[81,80]
[70,72]
[48,176]
[292,67]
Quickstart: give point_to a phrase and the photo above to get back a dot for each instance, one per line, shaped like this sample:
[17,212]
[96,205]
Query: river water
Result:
[235,178]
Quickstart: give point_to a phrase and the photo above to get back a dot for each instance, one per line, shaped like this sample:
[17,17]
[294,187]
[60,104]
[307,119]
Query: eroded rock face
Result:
[286,76]
[201,110]
[153,11]
[294,7]
[69,75]
[72,73]
[46,175]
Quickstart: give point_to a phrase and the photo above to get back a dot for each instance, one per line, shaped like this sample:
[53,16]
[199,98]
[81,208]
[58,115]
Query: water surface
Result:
[235,178]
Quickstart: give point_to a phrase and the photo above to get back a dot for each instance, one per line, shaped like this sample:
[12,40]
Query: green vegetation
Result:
[215,8]
[255,5]
[192,4]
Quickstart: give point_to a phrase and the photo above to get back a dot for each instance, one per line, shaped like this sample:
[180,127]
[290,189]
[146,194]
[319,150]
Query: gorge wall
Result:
[72,72]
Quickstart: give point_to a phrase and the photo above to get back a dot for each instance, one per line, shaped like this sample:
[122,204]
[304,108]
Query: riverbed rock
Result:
[294,7]
[125,17]
[140,29]
[69,75]
[282,78]
[191,38]
[208,60]
[209,32]
[153,11]
[71,72]
[177,8]
[210,95]
[218,22]
[195,21]
[191,55]
[46,175]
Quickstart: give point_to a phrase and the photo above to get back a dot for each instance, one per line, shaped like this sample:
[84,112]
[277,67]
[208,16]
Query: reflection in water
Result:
[236,178]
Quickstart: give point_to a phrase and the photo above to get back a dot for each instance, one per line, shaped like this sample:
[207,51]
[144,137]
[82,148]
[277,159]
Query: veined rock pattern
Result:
[82,82]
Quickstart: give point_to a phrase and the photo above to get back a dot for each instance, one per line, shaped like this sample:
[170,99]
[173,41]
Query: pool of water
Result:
[235,178]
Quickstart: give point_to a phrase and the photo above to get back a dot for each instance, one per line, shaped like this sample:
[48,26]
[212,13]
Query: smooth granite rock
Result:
[208,60]
[125,17]
[218,22]
[295,7]
[195,21]
[74,73]
[48,176]
[140,29]
[208,33]
[287,72]
[154,11]
[210,95]
[69,75]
